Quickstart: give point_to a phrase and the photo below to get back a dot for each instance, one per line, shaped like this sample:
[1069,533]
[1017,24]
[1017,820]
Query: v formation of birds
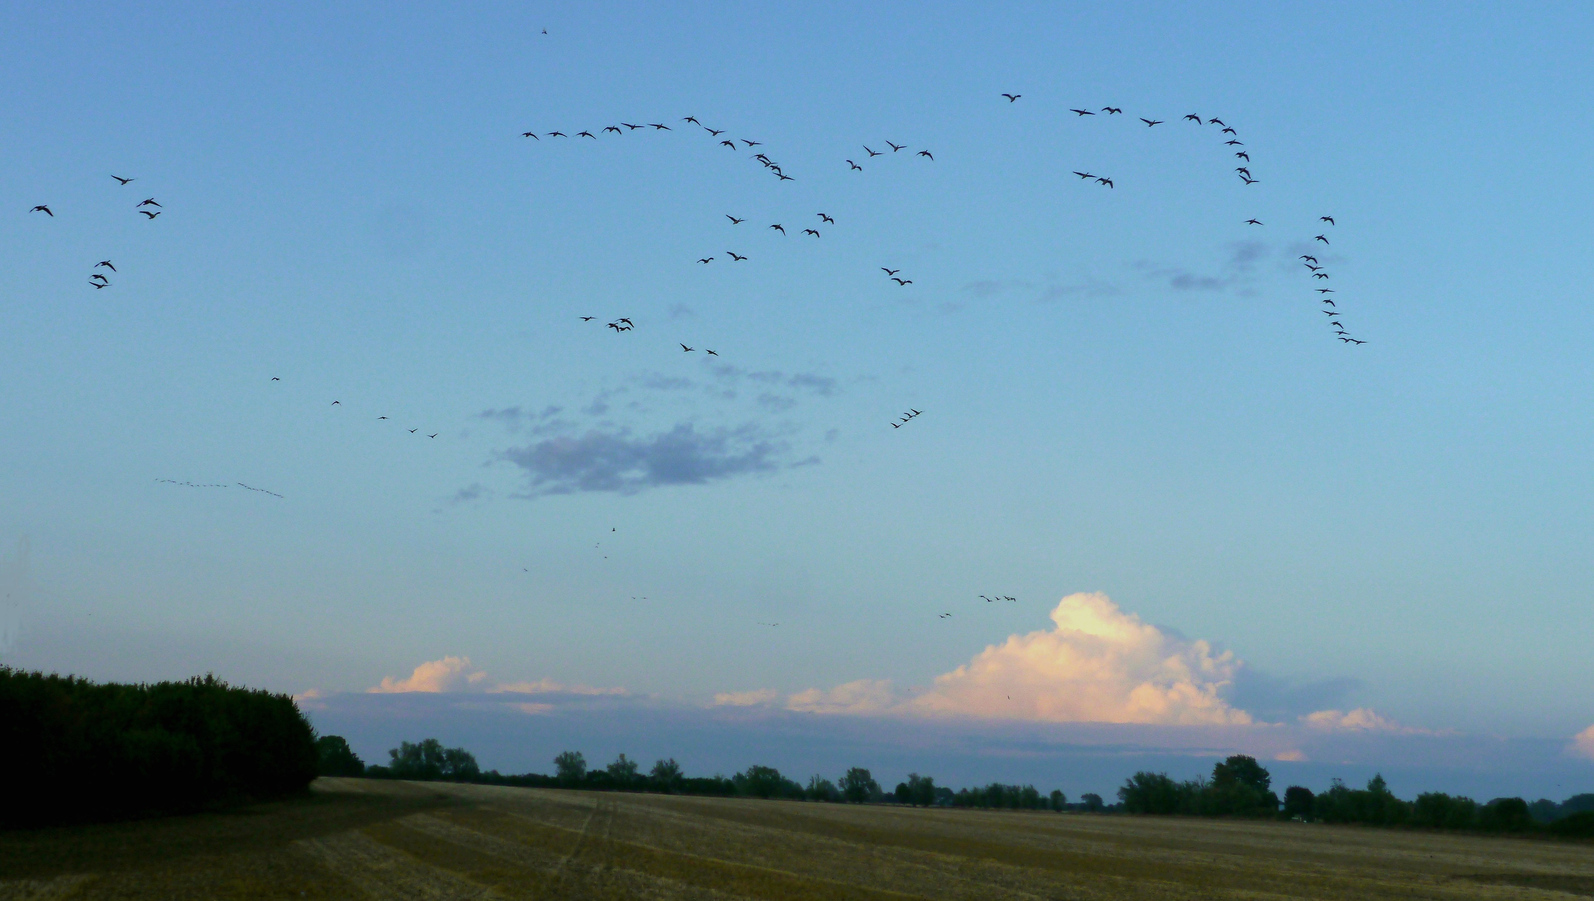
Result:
[1331,305]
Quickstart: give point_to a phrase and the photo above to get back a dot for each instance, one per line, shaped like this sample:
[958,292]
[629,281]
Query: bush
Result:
[82,751]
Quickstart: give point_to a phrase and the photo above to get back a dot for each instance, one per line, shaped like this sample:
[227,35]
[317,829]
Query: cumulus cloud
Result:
[448,674]
[620,462]
[1098,664]
[452,674]
[1583,743]
[1362,719]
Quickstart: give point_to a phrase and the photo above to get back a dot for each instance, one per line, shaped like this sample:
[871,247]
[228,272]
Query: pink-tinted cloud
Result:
[1362,719]
[1583,743]
[457,674]
[1097,664]
[448,674]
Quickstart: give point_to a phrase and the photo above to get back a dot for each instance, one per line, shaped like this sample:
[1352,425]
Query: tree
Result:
[1242,770]
[1059,800]
[666,774]
[858,786]
[1092,802]
[1298,802]
[1506,815]
[821,789]
[766,782]
[570,766]
[1150,793]
[1239,785]
[1438,810]
[336,758]
[622,770]
[429,761]
[921,790]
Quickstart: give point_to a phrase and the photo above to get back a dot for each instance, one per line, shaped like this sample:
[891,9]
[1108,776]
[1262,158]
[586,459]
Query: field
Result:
[367,839]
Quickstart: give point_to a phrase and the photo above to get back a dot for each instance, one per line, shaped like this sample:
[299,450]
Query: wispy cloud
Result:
[617,461]
[471,492]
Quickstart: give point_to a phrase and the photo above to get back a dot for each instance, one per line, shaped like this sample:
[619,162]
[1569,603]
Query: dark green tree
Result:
[1298,802]
[429,761]
[336,758]
[1506,815]
[821,789]
[1150,793]
[1092,802]
[622,772]
[1059,800]
[570,766]
[666,775]
[858,786]
[765,782]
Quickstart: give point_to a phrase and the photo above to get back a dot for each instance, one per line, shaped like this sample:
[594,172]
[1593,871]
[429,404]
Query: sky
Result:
[1222,527]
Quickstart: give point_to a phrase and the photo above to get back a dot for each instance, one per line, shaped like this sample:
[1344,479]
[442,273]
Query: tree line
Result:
[1240,786]
[429,760]
[78,751]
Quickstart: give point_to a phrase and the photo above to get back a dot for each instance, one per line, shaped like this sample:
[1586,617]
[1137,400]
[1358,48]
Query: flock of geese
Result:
[1243,171]
[100,273]
[98,279]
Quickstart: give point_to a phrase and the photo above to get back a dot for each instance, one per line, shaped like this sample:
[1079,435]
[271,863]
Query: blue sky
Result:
[1125,390]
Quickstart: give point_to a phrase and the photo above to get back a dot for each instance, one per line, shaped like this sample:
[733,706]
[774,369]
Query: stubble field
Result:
[366,839]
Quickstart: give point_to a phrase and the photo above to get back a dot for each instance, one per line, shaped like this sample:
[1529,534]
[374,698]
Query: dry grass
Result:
[360,839]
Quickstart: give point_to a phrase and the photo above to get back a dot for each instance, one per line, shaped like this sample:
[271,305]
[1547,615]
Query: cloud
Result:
[993,287]
[618,462]
[1185,281]
[776,403]
[1293,755]
[549,686]
[861,696]
[311,699]
[1181,279]
[1243,255]
[1090,287]
[760,697]
[1099,664]
[448,674]
[1362,719]
[470,492]
[454,675]
[1583,743]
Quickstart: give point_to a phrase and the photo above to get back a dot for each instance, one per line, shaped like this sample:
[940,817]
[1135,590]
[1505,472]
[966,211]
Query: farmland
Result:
[375,839]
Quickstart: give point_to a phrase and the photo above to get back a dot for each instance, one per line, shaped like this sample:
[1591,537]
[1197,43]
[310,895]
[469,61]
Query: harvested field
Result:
[365,839]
